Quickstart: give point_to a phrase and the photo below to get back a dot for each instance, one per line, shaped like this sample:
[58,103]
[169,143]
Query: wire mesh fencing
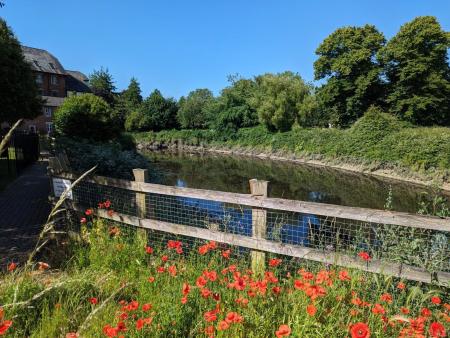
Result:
[416,247]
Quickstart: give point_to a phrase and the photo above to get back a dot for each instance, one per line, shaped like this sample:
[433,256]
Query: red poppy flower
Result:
[226,254]
[146,307]
[364,255]
[210,316]
[184,300]
[425,312]
[401,286]
[72,335]
[164,258]
[121,327]
[315,291]
[299,285]
[360,330]
[404,310]
[283,331]
[172,270]
[12,266]
[212,245]
[209,330]
[437,330]
[436,300]
[223,325]
[93,300]
[88,212]
[344,276]
[205,293]
[43,266]
[311,309]
[203,250]
[276,290]
[139,324]
[242,301]
[186,289]
[211,275]
[151,279]
[110,331]
[160,269]
[149,250]
[4,326]
[201,281]
[216,296]
[233,317]
[275,262]
[100,205]
[386,297]
[378,309]
[83,220]
[107,203]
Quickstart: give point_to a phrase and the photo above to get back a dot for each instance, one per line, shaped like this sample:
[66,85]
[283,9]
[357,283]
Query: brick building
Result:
[55,83]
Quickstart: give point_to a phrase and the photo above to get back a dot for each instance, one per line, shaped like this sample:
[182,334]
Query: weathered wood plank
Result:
[375,266]
[321,209]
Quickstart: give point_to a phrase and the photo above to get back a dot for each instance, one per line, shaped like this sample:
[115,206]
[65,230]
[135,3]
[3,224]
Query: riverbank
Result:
[415,155]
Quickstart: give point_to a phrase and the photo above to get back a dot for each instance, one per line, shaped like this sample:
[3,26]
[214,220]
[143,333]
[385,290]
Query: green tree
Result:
[85,116]
[192,113]
[234,109]
[19,93]
[278,99]
[347,61]
[127,101]
[102,84]
[416,66]
[156,113]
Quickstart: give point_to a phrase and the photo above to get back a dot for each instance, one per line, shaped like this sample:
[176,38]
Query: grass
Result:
[376,141]
[114,282]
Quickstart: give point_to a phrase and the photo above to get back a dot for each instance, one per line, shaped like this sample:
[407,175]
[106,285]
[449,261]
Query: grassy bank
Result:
[374,143]
[115,284]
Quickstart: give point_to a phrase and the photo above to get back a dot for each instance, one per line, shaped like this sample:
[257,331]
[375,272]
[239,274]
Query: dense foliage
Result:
[193,110]
[102,84]
[416,66]
[18,89]
[85,116]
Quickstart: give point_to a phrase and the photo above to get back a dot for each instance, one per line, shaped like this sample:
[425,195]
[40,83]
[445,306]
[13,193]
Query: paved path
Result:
[24,207]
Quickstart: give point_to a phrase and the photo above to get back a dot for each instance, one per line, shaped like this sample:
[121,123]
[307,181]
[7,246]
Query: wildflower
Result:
[233,317]
[437,330]
[72,335]
[299,285]
[210,316]
[276,290]
[436,300]
[100,205]
[360,330]
[315,291]
[354,312]
[344,276]
[311,309]
[43,266]
[88,212]
[83,220]
[107,204]
[93,300]
[205,292]
[404,310]
[401,286]
[110,331]
[172,270]
[275,262]
[386,297]
[209,330]
[270,277]
[151,279]
[12,266]
[378,309]
[223,325]
[186,289]
[226,254]
[184,300]
[212,245]
[203,250]
[146,307]
[201,282]
[211,275]
[114,231]
[164,258]
[139,324]
[364,256]
[283,331]
[149,250]
[4,324]
[216,296]
[160,269]
[242,301]
[306,275]
[425,312]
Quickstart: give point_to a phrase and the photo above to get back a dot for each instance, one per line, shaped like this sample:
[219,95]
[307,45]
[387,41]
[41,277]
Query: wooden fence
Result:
[259,203]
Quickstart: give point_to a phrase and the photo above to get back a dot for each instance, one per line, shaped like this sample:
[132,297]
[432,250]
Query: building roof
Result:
[77,82]
[42,61]
[52,101]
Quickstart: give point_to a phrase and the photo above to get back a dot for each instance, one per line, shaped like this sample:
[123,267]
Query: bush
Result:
[193,109]
[85,116]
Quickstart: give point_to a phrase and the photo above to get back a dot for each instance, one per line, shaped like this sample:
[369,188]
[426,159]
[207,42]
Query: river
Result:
[287,180]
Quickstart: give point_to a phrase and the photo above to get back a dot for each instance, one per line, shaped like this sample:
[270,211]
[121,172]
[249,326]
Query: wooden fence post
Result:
[259,225]
[141,175]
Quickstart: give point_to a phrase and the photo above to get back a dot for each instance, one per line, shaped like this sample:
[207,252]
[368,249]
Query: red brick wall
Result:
[48,89]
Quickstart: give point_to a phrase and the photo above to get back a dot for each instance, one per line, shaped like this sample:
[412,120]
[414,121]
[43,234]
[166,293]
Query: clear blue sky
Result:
[177,46]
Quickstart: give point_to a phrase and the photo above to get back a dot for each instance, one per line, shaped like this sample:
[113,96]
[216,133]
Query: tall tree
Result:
[417,68]
[347,61]
[18,90]
[102,84]
[192,113]
[126,102]
[278,99]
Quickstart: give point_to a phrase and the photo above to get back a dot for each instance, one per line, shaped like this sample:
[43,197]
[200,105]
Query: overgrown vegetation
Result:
[116,283]
[378,140]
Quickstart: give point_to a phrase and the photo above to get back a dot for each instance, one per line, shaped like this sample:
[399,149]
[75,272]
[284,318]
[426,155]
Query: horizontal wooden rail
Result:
[322,209]
[374,266]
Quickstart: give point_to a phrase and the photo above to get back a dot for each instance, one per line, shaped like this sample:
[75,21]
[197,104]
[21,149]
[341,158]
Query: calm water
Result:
[287,180]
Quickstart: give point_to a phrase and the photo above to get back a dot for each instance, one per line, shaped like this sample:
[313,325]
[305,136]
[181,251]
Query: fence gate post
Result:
[259,225]
[141,175]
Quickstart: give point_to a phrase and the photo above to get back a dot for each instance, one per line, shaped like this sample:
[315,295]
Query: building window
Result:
[39,78]
[49,127]
[48,111]
[53,80]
